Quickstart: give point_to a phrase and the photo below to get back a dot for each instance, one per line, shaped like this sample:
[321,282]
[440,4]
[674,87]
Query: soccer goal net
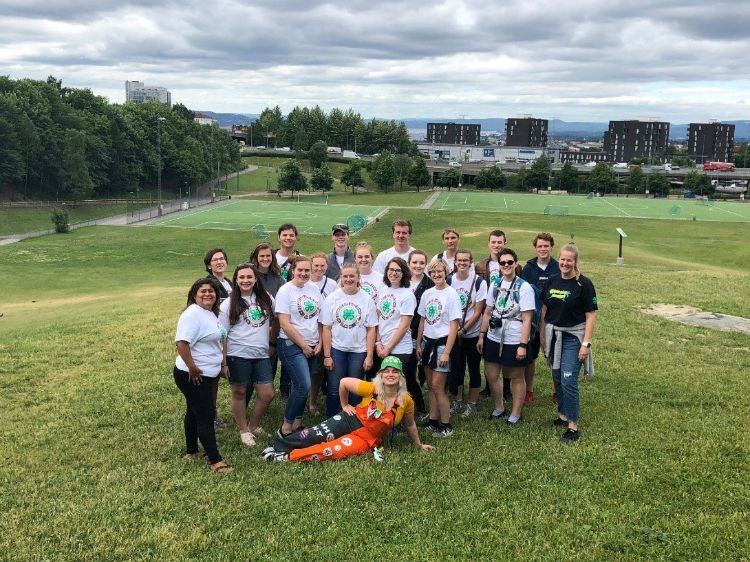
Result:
[313,198]
[556,210]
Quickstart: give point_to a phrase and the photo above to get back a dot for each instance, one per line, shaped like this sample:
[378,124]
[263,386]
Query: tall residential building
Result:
[625,140]
[526,131]
[453,133]
[710,142]
[137,92]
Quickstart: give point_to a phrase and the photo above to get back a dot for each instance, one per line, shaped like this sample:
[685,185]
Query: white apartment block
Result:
[138,92]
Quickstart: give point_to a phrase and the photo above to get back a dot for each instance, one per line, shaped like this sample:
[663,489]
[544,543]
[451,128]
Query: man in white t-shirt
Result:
[450,244]
[401,248]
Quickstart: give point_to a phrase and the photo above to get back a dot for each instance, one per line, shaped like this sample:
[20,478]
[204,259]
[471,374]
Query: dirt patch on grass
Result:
[696,317]
[474,234]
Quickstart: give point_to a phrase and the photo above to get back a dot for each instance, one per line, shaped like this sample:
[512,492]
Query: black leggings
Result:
[465,353]
[411,382]
[199,414]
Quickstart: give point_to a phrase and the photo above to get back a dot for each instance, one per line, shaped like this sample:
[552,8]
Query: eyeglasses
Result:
[504,263]
[389,270]
[213,260]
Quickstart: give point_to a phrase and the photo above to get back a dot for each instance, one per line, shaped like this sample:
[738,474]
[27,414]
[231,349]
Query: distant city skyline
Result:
[678,61]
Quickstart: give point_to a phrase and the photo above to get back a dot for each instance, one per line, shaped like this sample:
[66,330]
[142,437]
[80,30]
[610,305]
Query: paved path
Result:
[430,200]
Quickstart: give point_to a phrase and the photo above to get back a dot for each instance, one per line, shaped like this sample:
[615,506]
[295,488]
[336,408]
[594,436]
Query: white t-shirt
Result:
[371,284]
[506,307]
[249,337]
[439,308]
[387,255]
[326,286]
[494,269]
[464,289]
[283,263]
[302,304]
[349,316]
[393,304]
[205,335]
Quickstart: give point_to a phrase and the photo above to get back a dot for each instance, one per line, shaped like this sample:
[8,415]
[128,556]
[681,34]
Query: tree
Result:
[602,178]
[519,181]
[291,177]
[383,170]
[301,142]
[490,178]
[318,154]
[658,184]
[322,179]
[352,175]
[698,183]
[449,178]
[402,164]
[567,178]
[419,175]
[539,173]
[636,180]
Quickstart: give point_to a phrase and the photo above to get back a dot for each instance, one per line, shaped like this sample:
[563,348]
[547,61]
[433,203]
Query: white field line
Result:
[728,211]
[616,207]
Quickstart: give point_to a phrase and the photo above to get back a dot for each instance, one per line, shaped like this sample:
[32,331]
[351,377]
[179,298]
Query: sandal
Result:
[221,468]
[247,438]
[194,456]
[260,432]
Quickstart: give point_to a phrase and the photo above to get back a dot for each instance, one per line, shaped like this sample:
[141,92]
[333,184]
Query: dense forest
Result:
[67,143]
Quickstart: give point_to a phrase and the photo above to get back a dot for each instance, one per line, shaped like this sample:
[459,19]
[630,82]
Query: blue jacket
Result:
[535,275]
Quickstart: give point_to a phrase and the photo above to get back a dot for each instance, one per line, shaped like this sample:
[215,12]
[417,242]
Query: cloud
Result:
[588,61]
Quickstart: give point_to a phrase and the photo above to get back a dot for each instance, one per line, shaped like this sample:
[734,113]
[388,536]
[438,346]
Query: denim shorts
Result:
[438,368]
[249,371]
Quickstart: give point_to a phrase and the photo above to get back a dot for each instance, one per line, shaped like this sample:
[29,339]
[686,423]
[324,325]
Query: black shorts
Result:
[534,347]
[508,357]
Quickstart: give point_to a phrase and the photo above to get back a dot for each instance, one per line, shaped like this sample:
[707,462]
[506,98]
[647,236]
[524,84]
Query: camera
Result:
[495,323]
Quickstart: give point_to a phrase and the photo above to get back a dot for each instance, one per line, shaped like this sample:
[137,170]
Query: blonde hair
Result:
[380,387]
[349,266]
[438,264]
[365,246]
[573,249]
[318,255]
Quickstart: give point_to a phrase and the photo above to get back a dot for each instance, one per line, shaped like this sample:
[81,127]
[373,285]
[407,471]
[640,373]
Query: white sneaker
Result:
[247,438]
[456,406]
[268,454]
[469,411]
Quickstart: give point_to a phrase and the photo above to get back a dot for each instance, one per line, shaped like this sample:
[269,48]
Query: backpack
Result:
[515,295]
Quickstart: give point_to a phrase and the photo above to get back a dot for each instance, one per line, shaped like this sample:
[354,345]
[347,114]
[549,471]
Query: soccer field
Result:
[266,216]
[684,209]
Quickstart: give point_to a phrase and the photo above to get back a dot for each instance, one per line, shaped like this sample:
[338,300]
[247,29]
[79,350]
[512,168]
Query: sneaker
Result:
[559,422]
[431,425]
[485,392]
[268,454]
[247,439]
[513,424]
[469,411]
[423,419]
[219,424]
[500,416]
[443,431]
[280,457]
[280,434]
[529,399]
[570,436]
[456,406]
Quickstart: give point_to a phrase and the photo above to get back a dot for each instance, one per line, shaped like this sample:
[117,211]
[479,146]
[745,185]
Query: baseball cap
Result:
[392,361]
[342,227]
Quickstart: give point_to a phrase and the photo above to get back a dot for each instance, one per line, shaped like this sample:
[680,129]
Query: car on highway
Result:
[455,164]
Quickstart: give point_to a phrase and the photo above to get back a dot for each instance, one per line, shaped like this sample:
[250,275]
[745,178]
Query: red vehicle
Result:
[718,167]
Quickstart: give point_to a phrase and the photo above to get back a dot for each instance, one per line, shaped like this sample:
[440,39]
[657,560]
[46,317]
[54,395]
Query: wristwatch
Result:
[586,344]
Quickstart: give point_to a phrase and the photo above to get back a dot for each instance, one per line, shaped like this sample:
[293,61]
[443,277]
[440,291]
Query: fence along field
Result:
[626,207]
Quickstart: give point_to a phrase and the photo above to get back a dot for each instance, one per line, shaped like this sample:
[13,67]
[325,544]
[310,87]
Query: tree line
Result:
[67,143]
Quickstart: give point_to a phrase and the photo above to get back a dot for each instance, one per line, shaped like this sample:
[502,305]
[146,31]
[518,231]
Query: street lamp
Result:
[158,128]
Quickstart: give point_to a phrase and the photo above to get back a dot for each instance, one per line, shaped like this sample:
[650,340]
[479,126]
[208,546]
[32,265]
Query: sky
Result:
[678,61]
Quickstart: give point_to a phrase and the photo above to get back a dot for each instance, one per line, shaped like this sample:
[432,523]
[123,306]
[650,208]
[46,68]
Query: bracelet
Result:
[482,332]
[378,343]
[523,345]
[324,357]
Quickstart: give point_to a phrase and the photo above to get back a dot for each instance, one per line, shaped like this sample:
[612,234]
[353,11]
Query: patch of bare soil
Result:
[696,317]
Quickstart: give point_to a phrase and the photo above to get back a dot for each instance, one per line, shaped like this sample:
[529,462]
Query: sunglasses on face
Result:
[505,263]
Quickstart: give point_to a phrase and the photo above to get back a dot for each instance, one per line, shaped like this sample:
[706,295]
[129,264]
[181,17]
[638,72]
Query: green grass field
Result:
[624,207]
[17,220]
[310,218]
[92,430]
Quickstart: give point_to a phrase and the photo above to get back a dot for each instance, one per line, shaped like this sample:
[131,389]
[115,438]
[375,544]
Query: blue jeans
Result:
[299,368]
[566,379]
[345,364]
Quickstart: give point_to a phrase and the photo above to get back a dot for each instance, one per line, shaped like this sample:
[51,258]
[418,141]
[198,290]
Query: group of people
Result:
[368,330]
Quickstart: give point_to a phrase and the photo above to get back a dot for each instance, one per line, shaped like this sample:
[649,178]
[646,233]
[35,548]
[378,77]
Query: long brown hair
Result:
[238,305]
[274,267]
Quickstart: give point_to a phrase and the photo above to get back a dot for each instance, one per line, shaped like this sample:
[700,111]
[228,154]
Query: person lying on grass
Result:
[356,430]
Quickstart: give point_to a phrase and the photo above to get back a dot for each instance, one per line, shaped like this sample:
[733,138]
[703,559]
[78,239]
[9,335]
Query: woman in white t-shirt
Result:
[348,322]
[440,309]
[200,360]
[396,304]
[327,286]
[247,316]
[298,307]
[507,326]
[369,279]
